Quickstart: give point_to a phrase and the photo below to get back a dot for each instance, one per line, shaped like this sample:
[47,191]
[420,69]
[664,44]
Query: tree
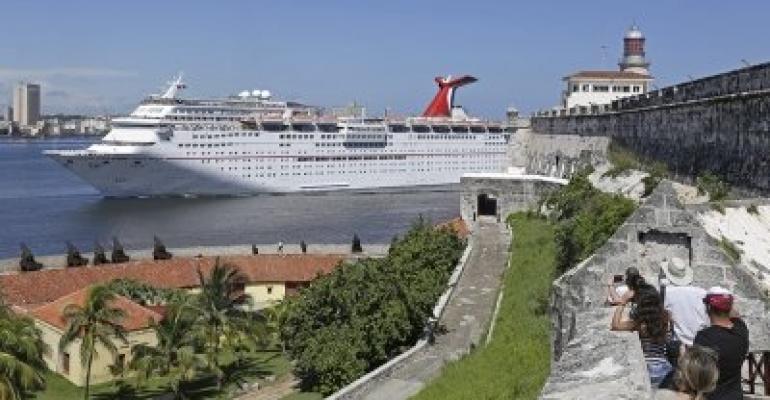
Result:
[21,356]
[221,321]
[275,317]
[363,313]
[140,292]
[95,323]
[174,356]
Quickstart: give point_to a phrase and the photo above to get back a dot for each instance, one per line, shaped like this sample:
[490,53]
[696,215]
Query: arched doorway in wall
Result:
[486,204]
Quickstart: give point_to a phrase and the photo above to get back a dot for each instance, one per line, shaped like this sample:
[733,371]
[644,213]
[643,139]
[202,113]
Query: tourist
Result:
[729,337]
[695,376]
[683,302]
[652,323]
[280,247]
[625,292]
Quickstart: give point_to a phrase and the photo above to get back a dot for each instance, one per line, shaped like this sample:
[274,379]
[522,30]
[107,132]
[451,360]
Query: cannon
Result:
[27,260]
[74,259]
[99,256]
[118,254]
[356,245]
[159,251]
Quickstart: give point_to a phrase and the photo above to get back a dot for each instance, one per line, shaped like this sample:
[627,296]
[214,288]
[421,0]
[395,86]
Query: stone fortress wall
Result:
[720,123]
[590,361]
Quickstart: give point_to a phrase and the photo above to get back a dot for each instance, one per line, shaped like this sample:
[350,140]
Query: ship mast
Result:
[173,87]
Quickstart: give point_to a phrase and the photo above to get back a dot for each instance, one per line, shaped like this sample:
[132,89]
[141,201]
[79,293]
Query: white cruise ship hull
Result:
[150,175]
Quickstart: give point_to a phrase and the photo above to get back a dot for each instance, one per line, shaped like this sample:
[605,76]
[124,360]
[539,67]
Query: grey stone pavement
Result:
[466,318]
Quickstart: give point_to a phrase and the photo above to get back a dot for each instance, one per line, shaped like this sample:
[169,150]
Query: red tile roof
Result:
[136,316]
[31,289]
[608,75]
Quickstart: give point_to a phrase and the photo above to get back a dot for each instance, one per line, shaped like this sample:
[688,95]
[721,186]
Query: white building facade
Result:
[598,88]
[595,88]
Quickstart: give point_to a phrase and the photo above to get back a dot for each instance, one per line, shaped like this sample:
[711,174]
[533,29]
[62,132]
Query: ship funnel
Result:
[442,103]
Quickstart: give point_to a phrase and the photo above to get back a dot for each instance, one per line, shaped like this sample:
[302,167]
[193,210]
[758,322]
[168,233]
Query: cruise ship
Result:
[250,144]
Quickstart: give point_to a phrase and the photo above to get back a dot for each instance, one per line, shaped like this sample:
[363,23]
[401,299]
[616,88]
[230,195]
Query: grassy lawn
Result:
[516,362]
[251,368]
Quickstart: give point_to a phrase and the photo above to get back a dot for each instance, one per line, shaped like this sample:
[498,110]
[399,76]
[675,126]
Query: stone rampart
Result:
[719,124]
[751,79]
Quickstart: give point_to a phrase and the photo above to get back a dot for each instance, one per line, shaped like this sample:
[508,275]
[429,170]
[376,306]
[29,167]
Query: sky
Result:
[104,56]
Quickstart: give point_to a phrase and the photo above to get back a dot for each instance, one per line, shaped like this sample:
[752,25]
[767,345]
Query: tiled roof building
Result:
[31,289]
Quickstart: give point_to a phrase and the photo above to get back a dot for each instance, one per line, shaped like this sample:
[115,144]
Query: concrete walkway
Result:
[466,318]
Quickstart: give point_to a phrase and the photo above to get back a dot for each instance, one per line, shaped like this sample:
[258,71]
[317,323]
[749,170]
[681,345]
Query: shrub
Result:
[585,219]
[752,209]
[712,185]
[363,313]
[732,251]
[622,160]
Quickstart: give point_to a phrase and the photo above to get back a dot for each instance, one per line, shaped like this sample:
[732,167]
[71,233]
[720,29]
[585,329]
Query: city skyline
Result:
[89,60]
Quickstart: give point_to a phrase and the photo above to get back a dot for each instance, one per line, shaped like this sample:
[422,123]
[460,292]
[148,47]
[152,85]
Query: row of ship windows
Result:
[352,165]
[351,172]
[224,135]
[322,144]
[332,128]
[383,171]
[338,158]
[490,146]
[348,136]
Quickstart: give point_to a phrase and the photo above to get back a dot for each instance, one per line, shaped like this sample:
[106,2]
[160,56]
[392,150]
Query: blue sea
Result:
[43,205]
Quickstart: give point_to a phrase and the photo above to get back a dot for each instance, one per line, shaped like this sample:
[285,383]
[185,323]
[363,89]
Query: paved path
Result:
[466,318]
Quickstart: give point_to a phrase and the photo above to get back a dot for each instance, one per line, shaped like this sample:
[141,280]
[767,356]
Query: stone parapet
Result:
[660,229]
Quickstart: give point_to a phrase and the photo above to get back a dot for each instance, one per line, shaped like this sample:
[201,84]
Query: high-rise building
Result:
[26,104]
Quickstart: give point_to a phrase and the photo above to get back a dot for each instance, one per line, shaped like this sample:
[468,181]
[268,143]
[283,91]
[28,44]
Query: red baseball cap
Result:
[720,299]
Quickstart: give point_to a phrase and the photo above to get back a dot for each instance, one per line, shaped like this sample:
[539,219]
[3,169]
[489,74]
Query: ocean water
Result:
[43,205]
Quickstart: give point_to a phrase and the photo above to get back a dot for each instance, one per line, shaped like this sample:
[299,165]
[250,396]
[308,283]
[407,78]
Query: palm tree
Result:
[222,322]
[21,356]
[275,317]
[95,323]
[174,356]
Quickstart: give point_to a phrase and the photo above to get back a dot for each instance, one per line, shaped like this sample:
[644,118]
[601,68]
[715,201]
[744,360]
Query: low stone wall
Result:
[512,192]
[661,228]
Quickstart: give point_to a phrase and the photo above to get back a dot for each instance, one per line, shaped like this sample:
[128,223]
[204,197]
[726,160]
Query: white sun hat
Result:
[678,272]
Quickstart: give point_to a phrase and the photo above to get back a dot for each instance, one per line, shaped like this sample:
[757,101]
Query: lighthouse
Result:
[633,52]
[592,89]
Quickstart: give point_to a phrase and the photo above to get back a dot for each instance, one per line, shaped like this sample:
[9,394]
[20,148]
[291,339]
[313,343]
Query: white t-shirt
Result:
[688,313]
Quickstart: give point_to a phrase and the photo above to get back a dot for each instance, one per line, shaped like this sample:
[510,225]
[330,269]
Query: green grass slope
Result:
[515,364]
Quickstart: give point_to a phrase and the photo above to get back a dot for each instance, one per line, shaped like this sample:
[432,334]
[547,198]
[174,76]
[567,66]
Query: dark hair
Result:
[650,317]
[633,278]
